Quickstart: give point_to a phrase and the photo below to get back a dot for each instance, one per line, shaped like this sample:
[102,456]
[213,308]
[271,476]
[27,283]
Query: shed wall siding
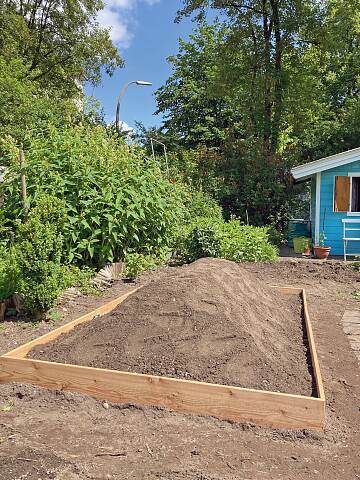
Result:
[313,206]
[333,220]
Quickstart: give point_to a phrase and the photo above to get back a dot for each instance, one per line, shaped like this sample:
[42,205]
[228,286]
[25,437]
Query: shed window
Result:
[342,194]
[355,194]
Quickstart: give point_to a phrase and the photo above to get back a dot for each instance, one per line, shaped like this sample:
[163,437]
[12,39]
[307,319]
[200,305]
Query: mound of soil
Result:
[210,321]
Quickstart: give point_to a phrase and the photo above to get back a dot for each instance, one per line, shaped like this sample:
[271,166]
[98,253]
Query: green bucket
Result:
[300,243]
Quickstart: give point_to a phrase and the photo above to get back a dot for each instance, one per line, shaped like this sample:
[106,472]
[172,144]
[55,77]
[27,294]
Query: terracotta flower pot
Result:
[322,252]
[307,251]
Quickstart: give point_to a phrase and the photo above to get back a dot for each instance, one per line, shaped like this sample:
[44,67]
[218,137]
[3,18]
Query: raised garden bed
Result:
[226,401]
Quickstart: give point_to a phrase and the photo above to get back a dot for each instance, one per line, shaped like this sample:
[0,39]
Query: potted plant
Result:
[307,250]
[322,252]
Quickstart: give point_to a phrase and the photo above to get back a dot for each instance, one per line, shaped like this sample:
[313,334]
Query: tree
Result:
[265,37]
[289,70]
[192,109]
[59,41]
[49,48]
[296,65]
[23,107]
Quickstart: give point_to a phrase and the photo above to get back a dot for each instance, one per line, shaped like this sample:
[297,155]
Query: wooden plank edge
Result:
[23,350]
[309,331]
[313,351]
[287,290]
[264,408]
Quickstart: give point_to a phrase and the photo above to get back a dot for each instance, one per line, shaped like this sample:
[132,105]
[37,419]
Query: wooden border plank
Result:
[270,409]
[310,336]
[288,290]
[23,350]
[313,352]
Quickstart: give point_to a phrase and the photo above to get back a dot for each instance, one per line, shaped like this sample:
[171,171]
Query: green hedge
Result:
[233,241]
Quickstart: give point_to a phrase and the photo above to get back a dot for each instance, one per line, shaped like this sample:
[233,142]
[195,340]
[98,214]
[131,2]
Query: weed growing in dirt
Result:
[54,315]
[7,406]
[356,295]
[136,263]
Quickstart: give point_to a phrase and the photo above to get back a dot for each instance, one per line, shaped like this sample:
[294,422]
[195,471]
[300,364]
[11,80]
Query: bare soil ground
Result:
[62,436]
[210,321]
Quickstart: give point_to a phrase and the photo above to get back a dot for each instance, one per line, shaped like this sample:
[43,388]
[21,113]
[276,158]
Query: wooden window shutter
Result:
[342,194]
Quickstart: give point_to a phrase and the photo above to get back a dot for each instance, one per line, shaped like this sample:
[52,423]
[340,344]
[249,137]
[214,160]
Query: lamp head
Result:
[142,82]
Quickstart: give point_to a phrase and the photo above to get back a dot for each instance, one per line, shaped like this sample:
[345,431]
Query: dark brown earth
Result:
[209,321]
[55,435]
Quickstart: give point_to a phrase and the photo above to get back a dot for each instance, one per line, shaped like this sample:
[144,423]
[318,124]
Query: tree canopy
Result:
[270,84]
[49,48]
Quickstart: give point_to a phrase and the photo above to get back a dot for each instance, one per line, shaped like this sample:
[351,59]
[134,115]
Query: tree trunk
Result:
[278,77]
[267,30]
[254,73]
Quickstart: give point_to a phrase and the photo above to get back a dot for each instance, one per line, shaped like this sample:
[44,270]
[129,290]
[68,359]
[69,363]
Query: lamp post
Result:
[121,94]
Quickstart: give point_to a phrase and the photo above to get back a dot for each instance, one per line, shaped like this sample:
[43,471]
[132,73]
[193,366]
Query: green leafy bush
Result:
[203,239]
[116,200]
[245,243]
[42,276]
[38,250]
[232,241]
[276,237]
[202,205]
[6,234]
[136,263]
[9,273]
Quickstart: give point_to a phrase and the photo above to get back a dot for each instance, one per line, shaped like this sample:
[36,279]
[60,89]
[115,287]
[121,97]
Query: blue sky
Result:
[145,33]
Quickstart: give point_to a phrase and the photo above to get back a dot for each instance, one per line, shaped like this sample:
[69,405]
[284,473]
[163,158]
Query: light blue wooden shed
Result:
[335,200]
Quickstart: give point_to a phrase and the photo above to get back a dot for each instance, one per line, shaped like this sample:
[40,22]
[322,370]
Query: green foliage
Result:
[191,108]
[286,74]
[81,278]
[60,42]
[9,273]
[6,236]
[355,265]
[244,243]
[231,240]
[33,266]
[48,50]
[115,199]
[203,205]
[136,263]
[203,239]
[39,250]
[276,237]
[42,276]
[23,106]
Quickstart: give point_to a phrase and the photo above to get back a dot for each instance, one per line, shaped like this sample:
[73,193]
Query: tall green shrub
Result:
[42,276]
[117,201]
[240,243]
[9,273]
[245,243]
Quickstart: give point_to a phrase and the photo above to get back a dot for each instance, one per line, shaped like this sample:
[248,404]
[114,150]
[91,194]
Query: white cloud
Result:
[126,129]
[119,29]
[119,17]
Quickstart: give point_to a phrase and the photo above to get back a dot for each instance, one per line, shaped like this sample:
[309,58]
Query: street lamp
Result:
[122,93]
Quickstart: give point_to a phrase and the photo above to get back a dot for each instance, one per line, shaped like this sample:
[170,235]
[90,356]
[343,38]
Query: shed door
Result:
[342,194]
